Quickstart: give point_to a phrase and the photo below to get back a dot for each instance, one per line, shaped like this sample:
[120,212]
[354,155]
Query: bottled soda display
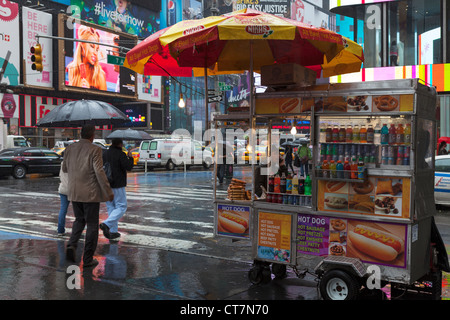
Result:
[377,134]
[349,134]
[354,169]
[370,134]
[340,170]
[408,134]
[328,134]
[363,134]
[385,134]
[283,183]
[392,135]
[342,134]
[325,169]
[333,169]
[360,169]
[347,170]
[355,137]
[400,135]
[307,185]
[335,134]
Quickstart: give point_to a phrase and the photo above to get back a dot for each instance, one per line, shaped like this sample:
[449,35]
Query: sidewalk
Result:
[36,269]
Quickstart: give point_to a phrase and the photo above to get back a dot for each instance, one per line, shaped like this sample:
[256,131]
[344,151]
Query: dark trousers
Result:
[86,214]
[220,172]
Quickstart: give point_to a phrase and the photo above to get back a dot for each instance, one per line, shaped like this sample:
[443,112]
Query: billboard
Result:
[9,42]
[119,15]
[86,65]
[171,12]
[149,88]
[37,22]
[137,113]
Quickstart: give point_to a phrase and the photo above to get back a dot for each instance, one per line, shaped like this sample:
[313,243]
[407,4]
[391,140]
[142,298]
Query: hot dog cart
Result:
[363,227]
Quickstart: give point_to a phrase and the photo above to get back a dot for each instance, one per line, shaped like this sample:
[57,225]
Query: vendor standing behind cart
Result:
[304,153]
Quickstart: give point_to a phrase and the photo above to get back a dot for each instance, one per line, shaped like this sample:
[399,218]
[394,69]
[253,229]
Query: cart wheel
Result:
[266,274]
[255,275]
[338,285]
[279,270]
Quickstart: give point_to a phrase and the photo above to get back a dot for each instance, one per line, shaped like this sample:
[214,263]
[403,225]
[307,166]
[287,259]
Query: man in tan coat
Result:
[88,186]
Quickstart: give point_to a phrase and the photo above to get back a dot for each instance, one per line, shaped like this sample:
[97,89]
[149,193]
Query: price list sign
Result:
[313,235]
[274,236]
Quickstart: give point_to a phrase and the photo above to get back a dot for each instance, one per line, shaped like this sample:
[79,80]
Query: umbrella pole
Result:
[206,99]
[252,120]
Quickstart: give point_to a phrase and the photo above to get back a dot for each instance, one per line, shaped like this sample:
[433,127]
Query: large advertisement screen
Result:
[133,17]
[86,64]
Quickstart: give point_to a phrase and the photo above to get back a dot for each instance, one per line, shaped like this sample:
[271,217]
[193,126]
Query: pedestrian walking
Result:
[120,164]
[304,153]
[288,158]
[224,159]
[63,190]
[88,186]
[442,148]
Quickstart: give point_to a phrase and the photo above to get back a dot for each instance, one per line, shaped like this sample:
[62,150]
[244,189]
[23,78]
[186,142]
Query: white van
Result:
[16,142]
[170,153]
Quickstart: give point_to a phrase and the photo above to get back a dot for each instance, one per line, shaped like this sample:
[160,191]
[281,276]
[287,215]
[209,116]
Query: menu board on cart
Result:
[365,104]
[274,236]
[372,242]
[378,196]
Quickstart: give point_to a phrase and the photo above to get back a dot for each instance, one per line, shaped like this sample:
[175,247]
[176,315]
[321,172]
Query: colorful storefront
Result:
[402,39]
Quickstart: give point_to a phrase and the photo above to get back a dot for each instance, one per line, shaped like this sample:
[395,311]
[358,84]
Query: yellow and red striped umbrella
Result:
[223,44]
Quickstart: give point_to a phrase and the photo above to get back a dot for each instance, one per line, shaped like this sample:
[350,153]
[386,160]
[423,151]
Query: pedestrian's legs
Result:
[62,213]
[220,172]
[116,209]
[292,168]
[302,170]
[78,224]
[91,210]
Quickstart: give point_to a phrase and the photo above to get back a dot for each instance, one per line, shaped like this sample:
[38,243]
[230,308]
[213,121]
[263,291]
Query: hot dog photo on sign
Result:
[289,105]
[380,243]
[233,220]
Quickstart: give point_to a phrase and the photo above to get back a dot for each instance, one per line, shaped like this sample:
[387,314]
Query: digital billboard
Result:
[86,64]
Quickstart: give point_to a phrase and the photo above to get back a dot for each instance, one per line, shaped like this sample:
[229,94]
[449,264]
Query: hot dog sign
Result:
[371,242]
[233,220]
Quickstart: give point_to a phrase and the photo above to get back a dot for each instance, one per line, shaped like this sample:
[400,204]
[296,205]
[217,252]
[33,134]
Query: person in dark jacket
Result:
[120,164]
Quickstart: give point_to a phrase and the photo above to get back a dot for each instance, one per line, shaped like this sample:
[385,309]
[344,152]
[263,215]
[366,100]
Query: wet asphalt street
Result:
[167,250]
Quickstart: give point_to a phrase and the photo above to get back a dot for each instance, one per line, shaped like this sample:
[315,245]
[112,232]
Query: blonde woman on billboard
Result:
[85,71]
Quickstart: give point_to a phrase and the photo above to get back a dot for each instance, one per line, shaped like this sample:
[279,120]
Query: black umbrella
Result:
[290,143]
[81,112]
[129,134]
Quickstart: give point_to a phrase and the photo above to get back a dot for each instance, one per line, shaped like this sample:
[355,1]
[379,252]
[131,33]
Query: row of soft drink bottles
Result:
[346,151]
[296,200]
[289,184]
[395,134]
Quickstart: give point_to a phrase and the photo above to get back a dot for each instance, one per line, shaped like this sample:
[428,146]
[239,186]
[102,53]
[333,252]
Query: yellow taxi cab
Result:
[134,154]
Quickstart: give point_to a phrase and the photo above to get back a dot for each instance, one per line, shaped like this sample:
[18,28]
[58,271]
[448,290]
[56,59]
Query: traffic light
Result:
[36,58]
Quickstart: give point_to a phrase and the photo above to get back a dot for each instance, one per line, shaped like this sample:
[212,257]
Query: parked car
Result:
[442,180]
[18,162]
